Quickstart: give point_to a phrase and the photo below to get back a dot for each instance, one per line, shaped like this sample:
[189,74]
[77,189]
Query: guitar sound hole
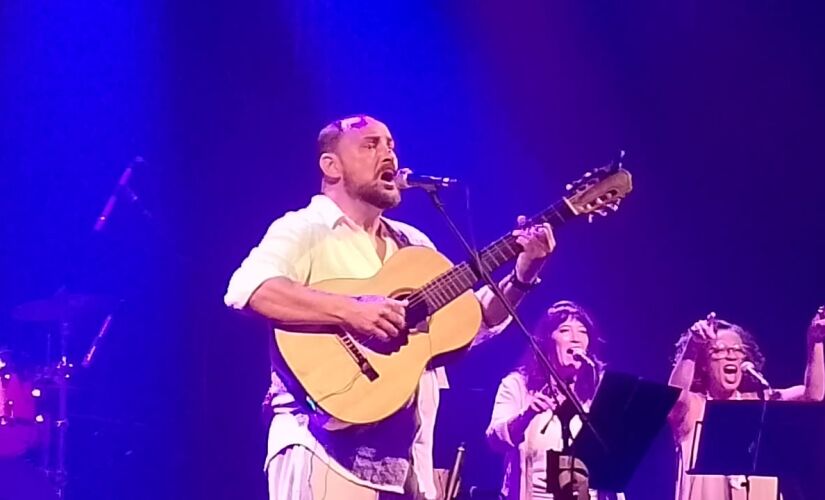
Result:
[417,312]
[416,319]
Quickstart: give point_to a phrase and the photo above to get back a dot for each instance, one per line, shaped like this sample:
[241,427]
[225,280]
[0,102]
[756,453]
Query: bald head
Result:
[354,153]
[330,136]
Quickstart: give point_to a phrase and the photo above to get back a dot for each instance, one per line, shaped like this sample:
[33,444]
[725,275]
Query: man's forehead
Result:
[360,126]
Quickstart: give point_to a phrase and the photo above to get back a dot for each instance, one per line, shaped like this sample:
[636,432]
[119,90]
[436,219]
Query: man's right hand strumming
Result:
[374,316]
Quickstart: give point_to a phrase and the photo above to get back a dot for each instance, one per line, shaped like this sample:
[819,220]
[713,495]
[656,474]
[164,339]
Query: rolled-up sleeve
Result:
[486,332]
[507,406]
[284,251]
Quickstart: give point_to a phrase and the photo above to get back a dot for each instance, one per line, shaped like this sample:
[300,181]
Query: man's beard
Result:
[373,193]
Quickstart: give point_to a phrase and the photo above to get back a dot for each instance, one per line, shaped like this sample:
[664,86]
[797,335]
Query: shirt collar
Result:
[332,215]
[329,211]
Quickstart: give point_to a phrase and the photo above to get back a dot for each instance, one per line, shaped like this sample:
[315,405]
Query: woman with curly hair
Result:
[709,365]
[529,411]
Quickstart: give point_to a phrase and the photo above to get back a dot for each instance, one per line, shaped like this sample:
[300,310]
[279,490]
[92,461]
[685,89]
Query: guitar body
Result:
[361,381]
[334,377]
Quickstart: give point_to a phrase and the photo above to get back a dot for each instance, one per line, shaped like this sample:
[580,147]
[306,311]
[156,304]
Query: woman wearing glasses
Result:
[710,363]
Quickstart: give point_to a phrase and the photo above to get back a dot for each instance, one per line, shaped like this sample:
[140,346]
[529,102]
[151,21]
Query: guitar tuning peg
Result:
[614,205]
[569,187]
[592,215]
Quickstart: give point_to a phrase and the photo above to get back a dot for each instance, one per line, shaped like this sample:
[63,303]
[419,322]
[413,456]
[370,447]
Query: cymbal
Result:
[62,306]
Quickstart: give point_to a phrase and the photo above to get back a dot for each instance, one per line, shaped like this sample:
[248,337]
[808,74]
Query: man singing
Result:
[343,234]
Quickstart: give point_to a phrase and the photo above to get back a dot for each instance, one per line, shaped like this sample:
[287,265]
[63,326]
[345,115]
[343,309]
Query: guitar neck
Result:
[449,285]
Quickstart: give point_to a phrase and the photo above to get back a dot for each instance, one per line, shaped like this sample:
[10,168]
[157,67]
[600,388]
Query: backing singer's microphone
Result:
[749,368]
[581,357]
[407,179]
[122,184]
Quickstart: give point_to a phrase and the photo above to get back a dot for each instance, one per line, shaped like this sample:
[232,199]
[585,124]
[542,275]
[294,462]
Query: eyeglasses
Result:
[722,351]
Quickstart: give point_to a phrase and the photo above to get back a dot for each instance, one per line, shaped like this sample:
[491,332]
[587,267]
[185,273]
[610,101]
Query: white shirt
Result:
[317,243]
[543,433]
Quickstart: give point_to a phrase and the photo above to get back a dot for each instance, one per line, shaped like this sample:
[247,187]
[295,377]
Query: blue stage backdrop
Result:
[718,104]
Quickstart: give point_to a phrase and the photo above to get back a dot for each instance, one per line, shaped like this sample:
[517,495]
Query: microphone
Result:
[581,357]
[749,368]
[122,184]
[407,179]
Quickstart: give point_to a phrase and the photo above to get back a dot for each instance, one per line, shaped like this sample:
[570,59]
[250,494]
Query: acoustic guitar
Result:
[360,381]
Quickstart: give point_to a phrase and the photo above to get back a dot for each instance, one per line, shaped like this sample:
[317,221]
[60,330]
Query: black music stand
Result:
[766,438]
[627,412]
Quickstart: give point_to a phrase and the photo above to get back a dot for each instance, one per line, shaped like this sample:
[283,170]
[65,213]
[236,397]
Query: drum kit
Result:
[34,397]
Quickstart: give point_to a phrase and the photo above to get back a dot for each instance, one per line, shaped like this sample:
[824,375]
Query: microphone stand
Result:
[764,390]
[56,463]
[432,191]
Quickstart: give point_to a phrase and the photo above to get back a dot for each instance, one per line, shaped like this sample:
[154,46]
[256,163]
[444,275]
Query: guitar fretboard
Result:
[449,285]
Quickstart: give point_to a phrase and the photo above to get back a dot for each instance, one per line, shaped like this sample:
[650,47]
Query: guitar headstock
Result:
[600,190]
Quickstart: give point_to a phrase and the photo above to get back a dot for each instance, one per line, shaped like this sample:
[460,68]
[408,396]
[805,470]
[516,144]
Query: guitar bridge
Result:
[363,363]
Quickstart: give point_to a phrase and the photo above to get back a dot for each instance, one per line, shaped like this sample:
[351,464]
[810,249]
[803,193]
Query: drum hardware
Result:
[18,402]
[63,309]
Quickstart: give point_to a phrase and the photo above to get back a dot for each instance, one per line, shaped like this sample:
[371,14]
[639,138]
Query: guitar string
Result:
[458,274]
[455,276]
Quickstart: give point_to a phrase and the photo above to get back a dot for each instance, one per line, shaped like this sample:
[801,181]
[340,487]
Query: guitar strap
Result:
[398,237]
